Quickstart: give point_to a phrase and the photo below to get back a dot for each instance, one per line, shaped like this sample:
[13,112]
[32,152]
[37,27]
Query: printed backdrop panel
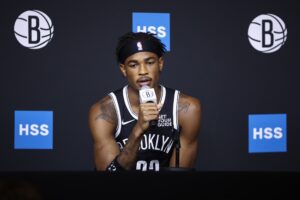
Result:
[240,58]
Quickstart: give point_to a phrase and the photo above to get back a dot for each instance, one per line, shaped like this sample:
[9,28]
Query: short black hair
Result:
[128,37]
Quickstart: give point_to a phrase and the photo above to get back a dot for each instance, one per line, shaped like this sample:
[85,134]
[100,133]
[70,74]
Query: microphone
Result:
[147,95]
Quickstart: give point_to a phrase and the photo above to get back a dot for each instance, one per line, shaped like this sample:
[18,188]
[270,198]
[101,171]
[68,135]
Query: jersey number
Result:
[143,165]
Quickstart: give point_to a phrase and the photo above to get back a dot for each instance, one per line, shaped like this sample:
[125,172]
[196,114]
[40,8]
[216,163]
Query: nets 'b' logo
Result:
[33,29]
[147,94]
[267,33]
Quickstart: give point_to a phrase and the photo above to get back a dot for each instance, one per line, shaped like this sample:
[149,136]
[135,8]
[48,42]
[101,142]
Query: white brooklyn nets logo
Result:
[33,29]
[267,33]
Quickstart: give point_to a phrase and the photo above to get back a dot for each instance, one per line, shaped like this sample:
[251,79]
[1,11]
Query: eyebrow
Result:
[149,58]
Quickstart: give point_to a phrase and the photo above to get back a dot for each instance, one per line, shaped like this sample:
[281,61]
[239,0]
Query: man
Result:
[120,123]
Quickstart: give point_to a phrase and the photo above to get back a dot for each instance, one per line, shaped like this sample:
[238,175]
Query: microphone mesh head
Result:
[145,87]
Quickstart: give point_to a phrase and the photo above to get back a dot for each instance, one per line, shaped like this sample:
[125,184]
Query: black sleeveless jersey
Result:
[157,144]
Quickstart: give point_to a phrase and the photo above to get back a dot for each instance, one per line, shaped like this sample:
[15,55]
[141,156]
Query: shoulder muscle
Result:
[189,112]
[105,110]
[103,116]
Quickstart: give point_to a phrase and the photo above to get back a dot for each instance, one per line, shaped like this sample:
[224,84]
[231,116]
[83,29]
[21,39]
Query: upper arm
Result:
[103,122]
[189,112]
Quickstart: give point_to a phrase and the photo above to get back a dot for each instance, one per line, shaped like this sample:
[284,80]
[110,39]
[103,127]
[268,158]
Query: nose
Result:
[143,69]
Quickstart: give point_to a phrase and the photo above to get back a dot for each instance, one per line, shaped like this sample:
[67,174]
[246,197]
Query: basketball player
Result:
[120,124]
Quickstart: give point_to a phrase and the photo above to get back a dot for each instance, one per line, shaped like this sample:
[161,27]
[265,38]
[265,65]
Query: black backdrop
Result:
[210,58]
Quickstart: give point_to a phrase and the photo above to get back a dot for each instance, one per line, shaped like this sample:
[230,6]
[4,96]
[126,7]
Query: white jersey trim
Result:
[116,104]
[175,110]
[163,95]
[127,103]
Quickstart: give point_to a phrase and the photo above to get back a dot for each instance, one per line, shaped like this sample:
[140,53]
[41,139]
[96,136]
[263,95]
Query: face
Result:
[142,68]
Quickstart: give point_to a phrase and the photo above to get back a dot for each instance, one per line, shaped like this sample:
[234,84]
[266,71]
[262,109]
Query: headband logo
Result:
[139,46]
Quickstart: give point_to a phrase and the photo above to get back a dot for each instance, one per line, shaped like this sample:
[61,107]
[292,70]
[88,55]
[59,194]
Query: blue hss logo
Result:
[267,133]
[33,129]
[157,23]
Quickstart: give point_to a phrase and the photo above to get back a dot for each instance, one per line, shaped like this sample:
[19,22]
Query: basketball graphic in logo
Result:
[33,29]
[267,33]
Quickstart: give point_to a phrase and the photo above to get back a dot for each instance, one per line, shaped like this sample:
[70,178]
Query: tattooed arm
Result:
[103,122]
[189,114]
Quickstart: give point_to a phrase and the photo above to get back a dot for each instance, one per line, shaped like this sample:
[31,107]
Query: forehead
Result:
[141,56]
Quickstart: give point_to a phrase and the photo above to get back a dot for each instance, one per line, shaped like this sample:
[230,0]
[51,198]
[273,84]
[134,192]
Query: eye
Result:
[132,65]
[150,62]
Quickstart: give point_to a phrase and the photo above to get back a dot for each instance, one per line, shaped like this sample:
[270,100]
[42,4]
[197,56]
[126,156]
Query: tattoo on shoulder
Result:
[183,104]
[108,112]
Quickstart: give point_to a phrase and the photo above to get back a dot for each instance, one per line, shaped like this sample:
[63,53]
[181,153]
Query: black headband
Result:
[135,46]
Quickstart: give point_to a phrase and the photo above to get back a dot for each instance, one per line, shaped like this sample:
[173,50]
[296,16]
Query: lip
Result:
[144,81]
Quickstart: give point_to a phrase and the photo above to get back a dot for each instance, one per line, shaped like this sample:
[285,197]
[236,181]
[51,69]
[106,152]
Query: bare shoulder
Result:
[103,110]
[188,105]
[189,118]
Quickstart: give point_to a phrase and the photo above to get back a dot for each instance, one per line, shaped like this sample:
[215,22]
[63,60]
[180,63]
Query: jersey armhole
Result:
[175,110]
[117,108]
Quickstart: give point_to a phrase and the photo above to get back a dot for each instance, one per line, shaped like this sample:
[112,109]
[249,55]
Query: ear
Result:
[161,63]
[123,70]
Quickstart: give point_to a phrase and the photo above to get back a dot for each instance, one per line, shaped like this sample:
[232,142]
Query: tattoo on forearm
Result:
[108,112]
